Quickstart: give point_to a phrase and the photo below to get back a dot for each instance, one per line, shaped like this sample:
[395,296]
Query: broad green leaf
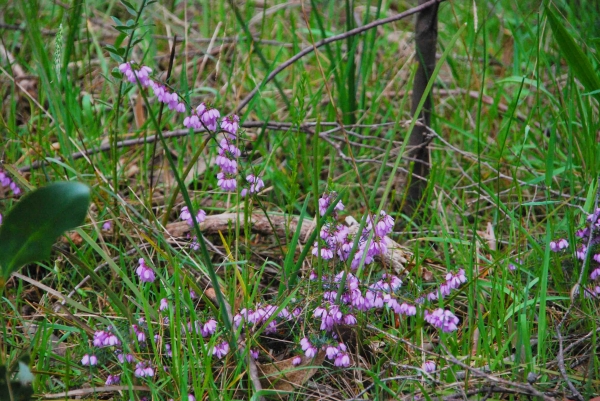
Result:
[576,58]
[32,226]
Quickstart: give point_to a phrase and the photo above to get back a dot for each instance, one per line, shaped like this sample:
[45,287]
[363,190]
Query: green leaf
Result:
[117,21]
[32,226]
[116,73]
[129,7]
[576,58]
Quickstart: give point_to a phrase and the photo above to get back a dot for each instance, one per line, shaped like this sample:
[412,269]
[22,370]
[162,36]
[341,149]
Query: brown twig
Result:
[185,132]
[94,390]
[280,225]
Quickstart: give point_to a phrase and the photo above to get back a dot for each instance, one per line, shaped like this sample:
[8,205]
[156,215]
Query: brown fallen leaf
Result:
[283,376]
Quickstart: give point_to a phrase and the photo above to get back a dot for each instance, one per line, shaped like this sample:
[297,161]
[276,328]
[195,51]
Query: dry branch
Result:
[283,226]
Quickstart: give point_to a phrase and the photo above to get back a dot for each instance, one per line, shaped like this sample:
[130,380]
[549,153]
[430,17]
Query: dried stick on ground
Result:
[426,41]
[396,256]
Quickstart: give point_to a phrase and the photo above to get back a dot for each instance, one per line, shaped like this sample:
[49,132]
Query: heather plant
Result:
[248,167]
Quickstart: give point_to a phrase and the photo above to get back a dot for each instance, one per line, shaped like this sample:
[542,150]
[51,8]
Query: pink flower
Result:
[407,309]
[221,350]
[385,225]
[210,117]
[145,273]
[595,273]
[310,352]
[296,361]
[324,203]
[226,181]
[142,74]
[349,319]
[442,319]
[113,379]
[557,246]
[122,358]
[107,226]
[342,360]
[192,122]
[231,125]
[428,367]
[326,252]
[254,354]
[256,184]
[139,334]
[331,352]
[209,328]
[89,360]
[164,304]
[143,369]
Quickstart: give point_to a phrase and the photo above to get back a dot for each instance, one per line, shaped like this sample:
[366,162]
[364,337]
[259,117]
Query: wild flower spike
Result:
[442,319]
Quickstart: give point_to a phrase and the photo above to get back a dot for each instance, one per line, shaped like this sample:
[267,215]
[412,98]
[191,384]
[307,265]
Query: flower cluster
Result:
[253,319]
[256,184]
[186,216]
[442,319]
[325,201]
[112,380]
[453,282]
[143,369]
[170,99]
[105,338]
[203,116]
[6,182]
[560,245]
[133,74]
[336,239]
